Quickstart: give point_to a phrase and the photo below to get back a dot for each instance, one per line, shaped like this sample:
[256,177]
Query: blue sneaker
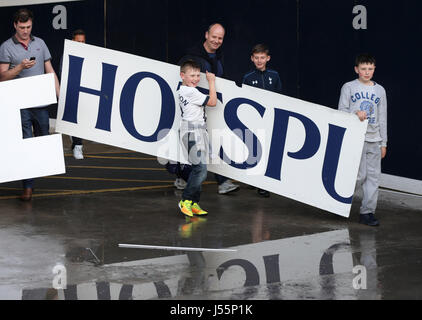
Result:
[369,219]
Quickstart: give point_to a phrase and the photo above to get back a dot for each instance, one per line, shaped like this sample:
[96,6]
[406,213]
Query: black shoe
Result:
[263,193]
[369,220]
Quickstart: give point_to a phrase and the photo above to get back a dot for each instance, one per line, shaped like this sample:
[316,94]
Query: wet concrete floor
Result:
[64,244]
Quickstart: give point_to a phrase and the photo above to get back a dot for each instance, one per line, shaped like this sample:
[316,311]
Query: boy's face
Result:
[191,77]
[365,72]
[260,60]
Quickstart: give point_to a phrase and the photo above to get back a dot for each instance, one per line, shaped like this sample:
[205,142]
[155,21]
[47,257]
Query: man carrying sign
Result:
[24,55]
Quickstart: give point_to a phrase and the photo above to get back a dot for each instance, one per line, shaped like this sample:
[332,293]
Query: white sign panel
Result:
[11,3]
[294,148]
[34,157]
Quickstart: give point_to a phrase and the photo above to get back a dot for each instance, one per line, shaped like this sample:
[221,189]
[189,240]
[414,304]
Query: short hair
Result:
[214,24]
[23,15]
[364,58]
[78,32]
[260,48]
[189,64]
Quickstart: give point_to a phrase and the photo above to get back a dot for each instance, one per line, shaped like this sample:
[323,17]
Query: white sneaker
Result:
[180,184]
[227,186]
[77,152]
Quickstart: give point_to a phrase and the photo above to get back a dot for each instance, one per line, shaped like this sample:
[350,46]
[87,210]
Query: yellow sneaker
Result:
[196,209]
[191,226]
[186,207]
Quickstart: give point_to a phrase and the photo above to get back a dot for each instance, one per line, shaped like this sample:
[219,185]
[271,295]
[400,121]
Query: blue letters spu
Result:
[168,112]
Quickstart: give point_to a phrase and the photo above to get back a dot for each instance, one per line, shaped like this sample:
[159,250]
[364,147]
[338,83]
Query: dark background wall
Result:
[313,46]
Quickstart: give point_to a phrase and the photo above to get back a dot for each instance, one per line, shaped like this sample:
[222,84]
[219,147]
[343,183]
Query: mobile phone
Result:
[32,58]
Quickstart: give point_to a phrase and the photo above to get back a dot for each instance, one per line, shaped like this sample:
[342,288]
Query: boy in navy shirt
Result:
[263,78]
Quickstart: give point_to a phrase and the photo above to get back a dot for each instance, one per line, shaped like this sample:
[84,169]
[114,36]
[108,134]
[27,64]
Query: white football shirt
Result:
[192,104]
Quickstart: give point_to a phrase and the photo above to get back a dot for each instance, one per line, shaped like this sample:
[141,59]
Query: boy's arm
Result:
[247,78]
[278,86]
[383,124]
[212,102]
[343,104]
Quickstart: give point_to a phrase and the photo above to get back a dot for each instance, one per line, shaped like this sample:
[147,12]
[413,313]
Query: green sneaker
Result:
[192,225]
[196,209]
[186,207]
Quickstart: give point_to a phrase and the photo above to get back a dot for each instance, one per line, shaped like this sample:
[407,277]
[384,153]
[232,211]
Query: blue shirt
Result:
[267,80]
[219,65]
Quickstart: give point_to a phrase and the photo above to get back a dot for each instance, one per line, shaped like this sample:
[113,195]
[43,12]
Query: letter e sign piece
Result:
[33,157]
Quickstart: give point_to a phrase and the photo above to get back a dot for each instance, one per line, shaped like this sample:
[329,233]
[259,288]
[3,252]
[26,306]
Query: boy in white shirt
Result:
[193,133]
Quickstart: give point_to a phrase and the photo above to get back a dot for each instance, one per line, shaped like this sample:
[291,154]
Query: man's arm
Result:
[6,74]
[48,67]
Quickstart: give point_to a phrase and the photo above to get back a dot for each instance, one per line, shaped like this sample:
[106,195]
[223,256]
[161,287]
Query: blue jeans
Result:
[38,120]
[198,174]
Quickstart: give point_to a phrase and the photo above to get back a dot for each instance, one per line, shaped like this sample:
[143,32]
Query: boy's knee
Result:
[203,172]
[204,175]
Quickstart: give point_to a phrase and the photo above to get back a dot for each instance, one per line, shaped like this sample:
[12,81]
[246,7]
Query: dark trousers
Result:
[35,122]
[76,142]
[220,179]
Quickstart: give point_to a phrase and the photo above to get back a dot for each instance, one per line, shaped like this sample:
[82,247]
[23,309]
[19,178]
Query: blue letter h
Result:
[74,88]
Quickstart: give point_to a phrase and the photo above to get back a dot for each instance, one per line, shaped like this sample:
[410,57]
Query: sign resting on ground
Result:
[33,157]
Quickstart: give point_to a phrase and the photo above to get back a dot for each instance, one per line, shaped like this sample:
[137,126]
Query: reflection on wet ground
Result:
[65,243]
[318,266]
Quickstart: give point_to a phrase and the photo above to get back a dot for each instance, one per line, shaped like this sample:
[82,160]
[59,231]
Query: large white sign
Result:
[34,157]
[11,3]
[294,148]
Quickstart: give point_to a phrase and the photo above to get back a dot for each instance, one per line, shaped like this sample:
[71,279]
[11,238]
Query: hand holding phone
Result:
[32,59]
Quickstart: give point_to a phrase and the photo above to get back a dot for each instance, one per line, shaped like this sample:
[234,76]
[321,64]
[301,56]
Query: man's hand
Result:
[361,115]
[27,64]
